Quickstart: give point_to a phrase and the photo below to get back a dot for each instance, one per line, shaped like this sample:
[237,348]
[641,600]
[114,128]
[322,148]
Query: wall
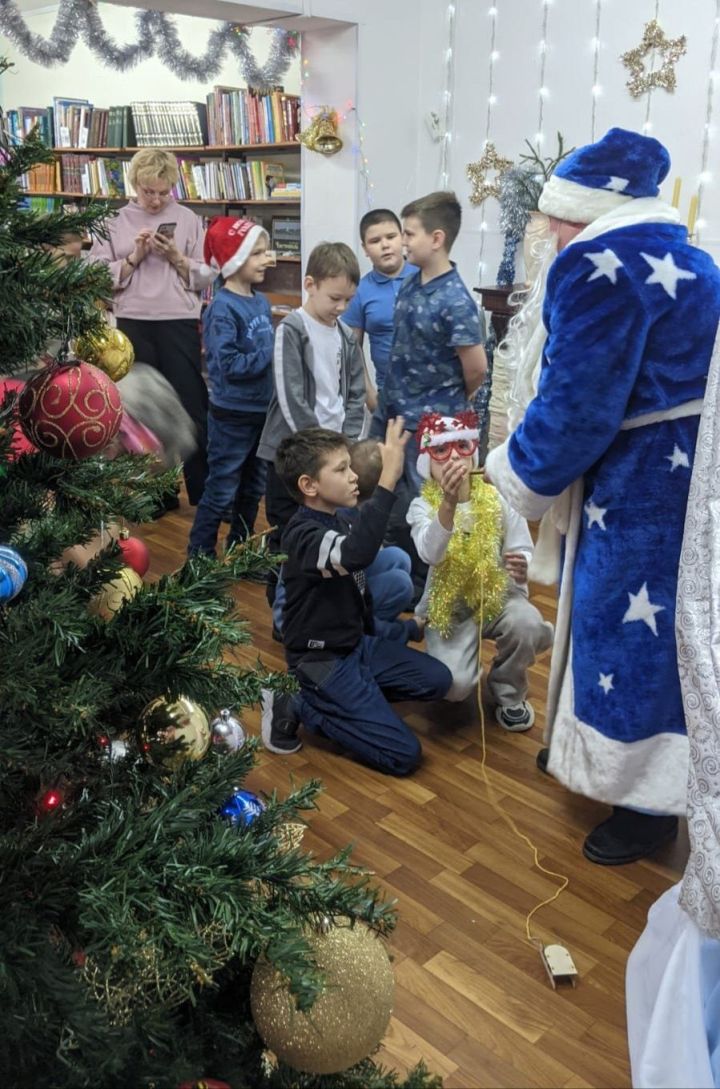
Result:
[85,76]
[401,77]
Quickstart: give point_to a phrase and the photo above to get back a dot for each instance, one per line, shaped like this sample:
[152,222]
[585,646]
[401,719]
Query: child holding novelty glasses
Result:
[478,550]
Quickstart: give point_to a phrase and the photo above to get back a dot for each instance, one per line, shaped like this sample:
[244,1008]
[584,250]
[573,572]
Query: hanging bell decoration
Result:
[321,134]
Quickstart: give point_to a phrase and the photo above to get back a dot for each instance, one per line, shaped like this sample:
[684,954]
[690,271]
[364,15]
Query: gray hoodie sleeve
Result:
[355,406]
[289,373]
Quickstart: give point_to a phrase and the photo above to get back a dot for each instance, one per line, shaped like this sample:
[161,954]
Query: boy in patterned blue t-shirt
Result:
[437,360]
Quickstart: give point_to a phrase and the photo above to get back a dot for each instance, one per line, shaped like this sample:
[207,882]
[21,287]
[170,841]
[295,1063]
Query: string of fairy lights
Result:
[705,175]
[493,58]
[647,123]
[596,90]
[543,91]
[448,94]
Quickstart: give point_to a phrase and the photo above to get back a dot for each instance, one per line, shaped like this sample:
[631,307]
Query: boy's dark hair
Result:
[305,453]
[330,259]
[366,461]
[375,216]
[439,211]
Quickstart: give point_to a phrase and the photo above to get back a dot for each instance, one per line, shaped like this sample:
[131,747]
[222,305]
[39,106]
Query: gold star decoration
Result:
[489,160]
[671,49]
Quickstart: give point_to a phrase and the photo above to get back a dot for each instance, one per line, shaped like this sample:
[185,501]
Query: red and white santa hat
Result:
[435,430]
[229,241]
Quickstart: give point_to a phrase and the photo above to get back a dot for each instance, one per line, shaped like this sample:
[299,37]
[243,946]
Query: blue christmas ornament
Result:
[13,573]
[242,808]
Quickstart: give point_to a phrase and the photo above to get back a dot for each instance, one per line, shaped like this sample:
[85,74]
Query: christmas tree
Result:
[152,911]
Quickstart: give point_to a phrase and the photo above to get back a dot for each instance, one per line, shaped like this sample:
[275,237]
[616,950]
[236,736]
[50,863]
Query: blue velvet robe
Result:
[631,317]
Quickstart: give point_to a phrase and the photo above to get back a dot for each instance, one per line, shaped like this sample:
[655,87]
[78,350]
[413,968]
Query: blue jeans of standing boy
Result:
[346,699]
[236,478]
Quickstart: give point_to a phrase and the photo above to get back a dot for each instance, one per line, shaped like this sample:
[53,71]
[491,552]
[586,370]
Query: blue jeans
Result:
[346,699]
[236,477]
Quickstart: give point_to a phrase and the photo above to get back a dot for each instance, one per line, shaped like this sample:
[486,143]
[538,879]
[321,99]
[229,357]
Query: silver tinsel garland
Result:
[519,193]
[157,34]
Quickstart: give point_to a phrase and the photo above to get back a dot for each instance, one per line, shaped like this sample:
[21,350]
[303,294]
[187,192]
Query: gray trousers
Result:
[520,634]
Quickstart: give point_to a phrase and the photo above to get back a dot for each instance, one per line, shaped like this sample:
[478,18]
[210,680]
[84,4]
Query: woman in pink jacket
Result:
[154,252]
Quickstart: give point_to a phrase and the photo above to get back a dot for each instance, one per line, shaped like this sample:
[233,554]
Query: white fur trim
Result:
[241,255]
[524,500]
[575,203]
[423,466]
[647,774]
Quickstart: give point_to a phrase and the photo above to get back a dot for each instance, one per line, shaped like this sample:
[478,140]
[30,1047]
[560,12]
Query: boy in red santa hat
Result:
[238,340]
[478,550]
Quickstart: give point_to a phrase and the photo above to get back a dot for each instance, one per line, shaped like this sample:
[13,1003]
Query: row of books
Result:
[237,116]
[234,180]
[85,175]
[230,116]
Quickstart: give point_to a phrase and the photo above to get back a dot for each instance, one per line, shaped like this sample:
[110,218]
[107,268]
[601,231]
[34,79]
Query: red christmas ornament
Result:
[20,445]
[72,410]
[135,553]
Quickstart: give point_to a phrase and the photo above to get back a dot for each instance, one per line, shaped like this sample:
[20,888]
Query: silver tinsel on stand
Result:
[519,194]
[157,34]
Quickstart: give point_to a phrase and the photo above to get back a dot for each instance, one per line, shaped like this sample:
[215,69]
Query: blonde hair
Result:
[153,164]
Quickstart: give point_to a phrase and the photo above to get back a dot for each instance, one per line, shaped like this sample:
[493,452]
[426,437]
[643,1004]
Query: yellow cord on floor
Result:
[534,941]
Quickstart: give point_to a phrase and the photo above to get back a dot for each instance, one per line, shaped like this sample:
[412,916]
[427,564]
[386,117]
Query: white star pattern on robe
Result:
[606,264]
[677,458]
[606,682]
[595,514]
[616,185]
[666,272]
[641,608]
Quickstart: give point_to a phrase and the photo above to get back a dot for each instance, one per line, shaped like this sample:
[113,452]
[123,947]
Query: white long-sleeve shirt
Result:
[431,539]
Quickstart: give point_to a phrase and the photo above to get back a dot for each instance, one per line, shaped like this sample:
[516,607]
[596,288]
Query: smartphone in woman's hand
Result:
[167,230]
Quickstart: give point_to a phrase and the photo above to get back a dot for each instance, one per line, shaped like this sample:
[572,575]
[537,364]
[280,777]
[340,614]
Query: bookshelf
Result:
[233,151]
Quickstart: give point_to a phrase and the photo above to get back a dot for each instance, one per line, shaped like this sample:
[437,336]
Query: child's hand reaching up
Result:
[516,565]
[392,452]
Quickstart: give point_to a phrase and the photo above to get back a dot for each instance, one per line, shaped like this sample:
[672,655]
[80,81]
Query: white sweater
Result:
[432,539]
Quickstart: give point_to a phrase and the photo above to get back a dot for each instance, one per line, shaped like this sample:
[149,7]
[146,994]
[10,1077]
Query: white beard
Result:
[521,350]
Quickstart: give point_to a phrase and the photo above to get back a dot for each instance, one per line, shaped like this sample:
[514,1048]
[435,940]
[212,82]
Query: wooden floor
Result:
[472,997]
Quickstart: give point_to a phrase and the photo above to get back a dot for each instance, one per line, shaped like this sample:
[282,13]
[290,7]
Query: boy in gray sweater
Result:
[318,373]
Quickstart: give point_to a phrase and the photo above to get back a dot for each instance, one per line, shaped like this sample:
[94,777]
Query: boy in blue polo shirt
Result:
[437,360]
[372,308]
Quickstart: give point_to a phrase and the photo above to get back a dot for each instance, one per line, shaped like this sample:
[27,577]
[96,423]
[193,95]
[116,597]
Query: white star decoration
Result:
[595,514]
[678,457]
[616,185]
[666,272]
[606,682]
[606,264]
[641,608]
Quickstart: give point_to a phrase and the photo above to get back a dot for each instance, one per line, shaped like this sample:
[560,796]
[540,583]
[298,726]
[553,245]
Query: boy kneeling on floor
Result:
[346,673]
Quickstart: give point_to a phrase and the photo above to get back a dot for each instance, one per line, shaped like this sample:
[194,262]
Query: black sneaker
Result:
[279,724]
[515,719]
[628,836]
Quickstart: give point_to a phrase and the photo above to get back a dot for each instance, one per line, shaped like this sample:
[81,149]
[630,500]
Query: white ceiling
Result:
[291,13]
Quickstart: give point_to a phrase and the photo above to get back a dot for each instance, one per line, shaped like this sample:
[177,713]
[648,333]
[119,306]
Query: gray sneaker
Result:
[279,723]
[518,717]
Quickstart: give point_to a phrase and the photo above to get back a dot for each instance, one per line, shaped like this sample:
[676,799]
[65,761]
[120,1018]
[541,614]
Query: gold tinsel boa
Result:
[470,575]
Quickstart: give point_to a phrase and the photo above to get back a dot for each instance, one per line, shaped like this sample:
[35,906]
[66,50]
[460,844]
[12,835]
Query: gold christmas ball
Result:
[110,350]
[350,1017]
[164,721]
[115,593]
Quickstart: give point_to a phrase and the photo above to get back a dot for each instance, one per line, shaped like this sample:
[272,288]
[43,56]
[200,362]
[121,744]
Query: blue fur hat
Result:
[598,177]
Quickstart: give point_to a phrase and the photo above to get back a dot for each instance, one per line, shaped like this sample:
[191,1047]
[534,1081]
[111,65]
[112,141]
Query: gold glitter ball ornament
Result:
[115,593]
[165,721]
[489,160]
[109,350]
[350,1017]
[670,49]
